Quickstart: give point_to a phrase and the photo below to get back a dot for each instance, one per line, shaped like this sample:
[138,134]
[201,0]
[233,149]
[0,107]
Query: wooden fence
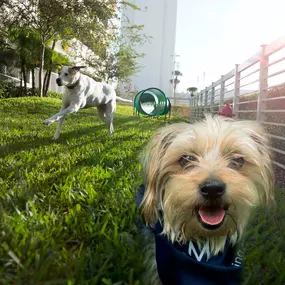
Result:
[263,75]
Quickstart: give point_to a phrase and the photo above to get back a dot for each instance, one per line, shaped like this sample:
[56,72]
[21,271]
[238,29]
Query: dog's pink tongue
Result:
[212,216]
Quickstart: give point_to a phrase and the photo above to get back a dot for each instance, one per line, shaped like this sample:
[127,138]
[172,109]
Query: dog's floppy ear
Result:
[152,158]
[261,141]
[77,68]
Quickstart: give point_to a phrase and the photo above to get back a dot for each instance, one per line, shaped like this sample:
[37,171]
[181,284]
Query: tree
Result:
[119,61]
[42,16]
[87,21]
[177,73]
[119,65]
[192,90]
[26,44]
[175,81]
[52,61]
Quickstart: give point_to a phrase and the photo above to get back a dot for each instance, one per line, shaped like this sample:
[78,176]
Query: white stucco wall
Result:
[159,20]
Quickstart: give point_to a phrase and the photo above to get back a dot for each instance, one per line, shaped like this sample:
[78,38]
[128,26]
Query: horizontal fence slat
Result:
[275,46]
[249,83]
[229,75]
[249,74]
[273,111]
[249,93]
[274,86]
[274,124]
[279,164]
[218,82]
[250,62]
[276,73]
[229,84]
[246,111]
[276,61]
[277,150]
[274,98]
[229,91]
[247,102]
[276,137]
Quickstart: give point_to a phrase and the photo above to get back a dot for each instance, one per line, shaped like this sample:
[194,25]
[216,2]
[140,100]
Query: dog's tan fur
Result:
[173,190]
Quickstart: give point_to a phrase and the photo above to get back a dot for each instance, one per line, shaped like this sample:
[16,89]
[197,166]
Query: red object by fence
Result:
[227,111]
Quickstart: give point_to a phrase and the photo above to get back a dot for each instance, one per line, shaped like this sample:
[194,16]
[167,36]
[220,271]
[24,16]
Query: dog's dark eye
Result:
[66,74]
[236,162]
[186,160]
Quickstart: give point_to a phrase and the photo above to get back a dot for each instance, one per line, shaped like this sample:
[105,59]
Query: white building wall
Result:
[159,20]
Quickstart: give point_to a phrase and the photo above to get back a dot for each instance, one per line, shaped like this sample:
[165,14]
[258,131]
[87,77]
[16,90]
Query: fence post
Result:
[236,93]
[263,85]
[197,105]
[189,108]
[222,93]
[193,107]
[201,104]
[206,100]
[212,98]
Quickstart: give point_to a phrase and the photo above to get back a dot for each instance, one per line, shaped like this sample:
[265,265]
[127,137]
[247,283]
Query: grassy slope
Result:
[67,213]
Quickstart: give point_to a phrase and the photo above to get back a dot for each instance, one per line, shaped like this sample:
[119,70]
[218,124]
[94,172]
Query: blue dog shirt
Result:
[185,264]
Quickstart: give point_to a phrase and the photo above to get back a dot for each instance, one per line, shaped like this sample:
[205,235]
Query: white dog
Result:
[82,91]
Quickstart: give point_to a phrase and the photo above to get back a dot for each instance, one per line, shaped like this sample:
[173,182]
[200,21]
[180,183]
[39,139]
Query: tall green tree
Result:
[175,81]
[192,90]
[44,17]
[90,22]
[87,21]
[26,44]
[120,60]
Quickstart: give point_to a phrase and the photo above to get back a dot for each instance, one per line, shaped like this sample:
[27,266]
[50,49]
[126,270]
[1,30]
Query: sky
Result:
[214,35]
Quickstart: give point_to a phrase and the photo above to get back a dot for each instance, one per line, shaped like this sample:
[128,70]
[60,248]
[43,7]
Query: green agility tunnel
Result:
[152,102]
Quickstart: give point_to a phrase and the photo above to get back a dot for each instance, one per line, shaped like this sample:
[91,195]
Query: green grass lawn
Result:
[67,211]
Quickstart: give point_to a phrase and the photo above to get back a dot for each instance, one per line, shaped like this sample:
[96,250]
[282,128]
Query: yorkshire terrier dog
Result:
[201,182]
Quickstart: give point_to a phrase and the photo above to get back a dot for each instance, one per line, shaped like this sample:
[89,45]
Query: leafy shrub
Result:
[56,95]
[9,89]
[5,89]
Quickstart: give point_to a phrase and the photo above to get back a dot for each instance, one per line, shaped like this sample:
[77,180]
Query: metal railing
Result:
[5,77]
[264,102]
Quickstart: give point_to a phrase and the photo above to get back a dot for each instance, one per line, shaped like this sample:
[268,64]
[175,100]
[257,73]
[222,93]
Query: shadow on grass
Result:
[29,144]
[120,122]
[116,165]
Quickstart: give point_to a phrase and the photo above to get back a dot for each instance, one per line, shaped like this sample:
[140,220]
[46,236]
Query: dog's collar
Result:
[72,86]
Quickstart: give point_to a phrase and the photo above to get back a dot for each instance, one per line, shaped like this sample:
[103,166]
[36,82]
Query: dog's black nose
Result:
[212,189]
[58,81]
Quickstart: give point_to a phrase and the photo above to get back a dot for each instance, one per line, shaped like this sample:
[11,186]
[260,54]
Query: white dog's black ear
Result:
[77,68]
